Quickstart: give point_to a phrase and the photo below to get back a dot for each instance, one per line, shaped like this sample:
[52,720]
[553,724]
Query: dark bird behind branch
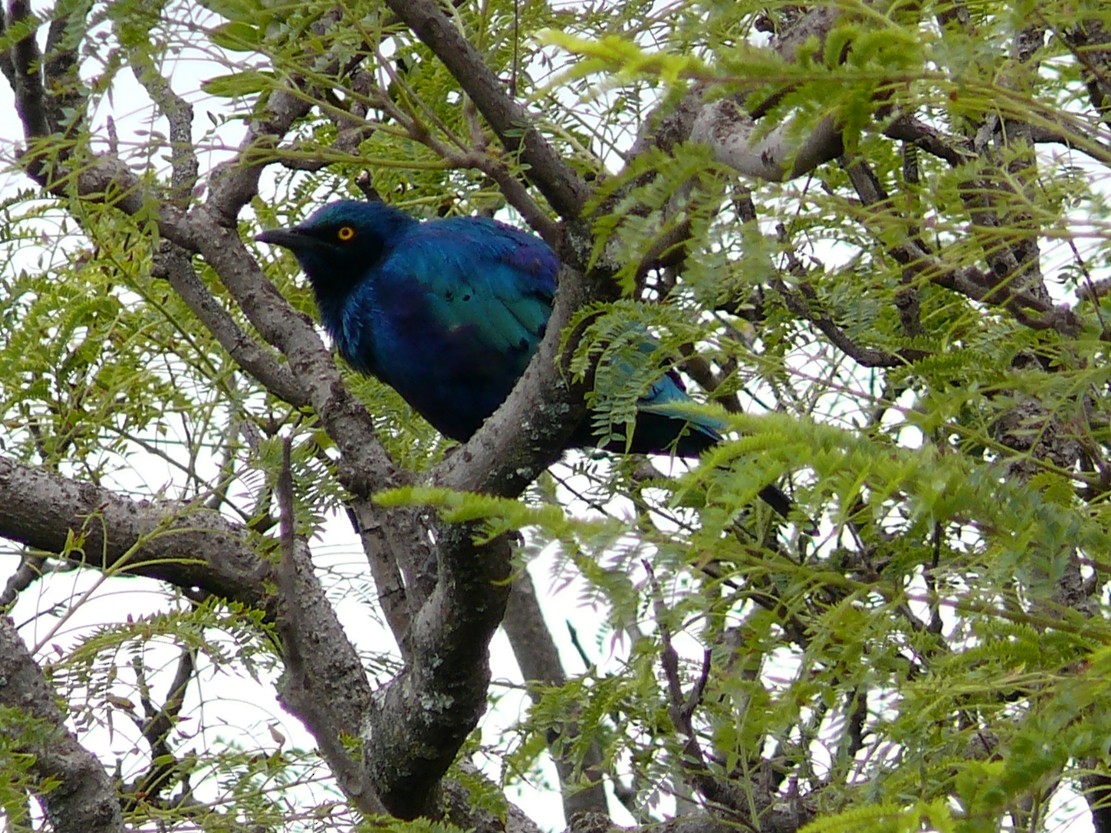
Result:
[448,312]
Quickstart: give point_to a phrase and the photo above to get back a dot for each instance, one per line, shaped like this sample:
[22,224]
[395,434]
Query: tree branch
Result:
[168,541]
[801,303]
[179,115]
[74,788]
[564,189]
[417,722]
[194,548]
[1090,42]
[681,708]
[25,77]
[174,264]
[157,723]
[538,659]
[30,569]
[334,702]
[1027,306]
[730,132]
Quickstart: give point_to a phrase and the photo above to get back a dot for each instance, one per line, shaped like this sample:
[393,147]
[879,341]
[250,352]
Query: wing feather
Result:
[483,277]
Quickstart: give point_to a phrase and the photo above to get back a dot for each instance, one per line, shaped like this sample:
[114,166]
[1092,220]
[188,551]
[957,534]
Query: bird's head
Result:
[340,242]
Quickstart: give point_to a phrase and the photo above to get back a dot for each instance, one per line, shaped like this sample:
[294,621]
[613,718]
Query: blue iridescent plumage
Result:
[448,312]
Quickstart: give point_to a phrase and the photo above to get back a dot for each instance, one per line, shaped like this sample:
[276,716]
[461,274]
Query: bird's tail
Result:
[777,499]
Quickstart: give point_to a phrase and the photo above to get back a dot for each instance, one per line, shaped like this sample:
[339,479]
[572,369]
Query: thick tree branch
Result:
[331,703]
[730,132]
[416,724]
[74,788]
[25,77]
[65,90]
[194,548]
[171,542]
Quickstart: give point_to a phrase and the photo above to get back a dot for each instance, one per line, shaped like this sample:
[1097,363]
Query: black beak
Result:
[290,238]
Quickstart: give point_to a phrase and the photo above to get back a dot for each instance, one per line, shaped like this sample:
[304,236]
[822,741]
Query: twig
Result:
[681,709]
[799,302]
[156,725]
[561,185]
[538,658]
[1027,306]
[28,571]
[577,645]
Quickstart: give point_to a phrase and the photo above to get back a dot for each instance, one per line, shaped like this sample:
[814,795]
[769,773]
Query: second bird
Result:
[448,312]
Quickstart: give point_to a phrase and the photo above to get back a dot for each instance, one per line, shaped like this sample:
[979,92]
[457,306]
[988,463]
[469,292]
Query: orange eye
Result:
[345,233]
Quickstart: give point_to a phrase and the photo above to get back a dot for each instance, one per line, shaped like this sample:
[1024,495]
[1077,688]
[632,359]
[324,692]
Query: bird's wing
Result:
[484,278]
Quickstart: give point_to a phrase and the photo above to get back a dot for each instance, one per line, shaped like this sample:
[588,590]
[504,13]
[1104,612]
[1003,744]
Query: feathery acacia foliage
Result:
[874,237]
